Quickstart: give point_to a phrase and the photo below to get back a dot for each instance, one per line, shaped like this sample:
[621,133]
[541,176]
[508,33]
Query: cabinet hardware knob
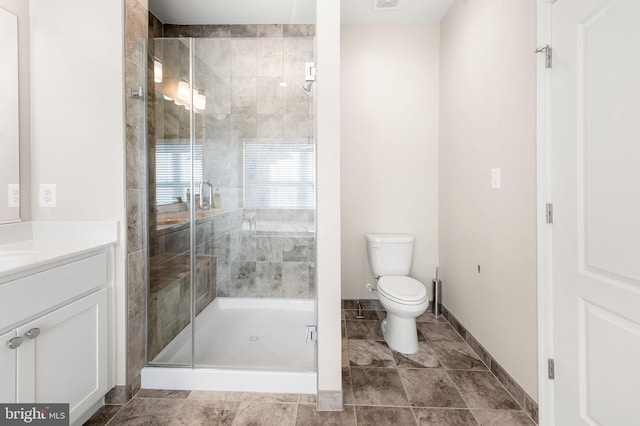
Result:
[33,333]
[14,342]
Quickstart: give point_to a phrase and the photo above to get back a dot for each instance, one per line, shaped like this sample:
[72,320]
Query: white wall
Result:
[328,197]
[488,117]
[76,108]
[77,130]
[389,102]
[20,8]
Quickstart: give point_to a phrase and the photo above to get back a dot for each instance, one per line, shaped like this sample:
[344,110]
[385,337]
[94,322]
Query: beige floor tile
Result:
[206,412]
[377,386]
[431,388]
[502,418]
[265,414]
[308,416]
[480,389]
[384,416]
[444,417]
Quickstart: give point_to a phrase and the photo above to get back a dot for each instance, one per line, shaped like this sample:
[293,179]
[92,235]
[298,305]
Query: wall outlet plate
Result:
[47,195]
[13,191]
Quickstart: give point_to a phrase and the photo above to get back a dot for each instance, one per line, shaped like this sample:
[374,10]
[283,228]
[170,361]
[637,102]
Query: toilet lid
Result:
[401,289]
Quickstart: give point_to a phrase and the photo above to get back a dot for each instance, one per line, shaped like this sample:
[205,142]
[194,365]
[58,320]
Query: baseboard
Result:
[527,403]
[120,395]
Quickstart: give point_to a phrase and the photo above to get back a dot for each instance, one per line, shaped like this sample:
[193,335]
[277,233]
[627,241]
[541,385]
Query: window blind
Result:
[278,176]
[173,171]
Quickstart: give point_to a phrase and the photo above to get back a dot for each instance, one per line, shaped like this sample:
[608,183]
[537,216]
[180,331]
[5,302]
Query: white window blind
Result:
[173,171]
[279,176]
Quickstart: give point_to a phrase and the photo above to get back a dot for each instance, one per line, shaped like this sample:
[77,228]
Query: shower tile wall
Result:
[275,260]
[169,297]
[136,33]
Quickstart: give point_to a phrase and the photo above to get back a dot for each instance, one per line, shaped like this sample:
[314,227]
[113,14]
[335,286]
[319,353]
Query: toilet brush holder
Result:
[436,294]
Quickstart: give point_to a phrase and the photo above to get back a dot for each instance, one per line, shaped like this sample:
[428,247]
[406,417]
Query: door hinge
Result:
[549,213]
[309,71]
[547,55]
[312,334]
[551,369]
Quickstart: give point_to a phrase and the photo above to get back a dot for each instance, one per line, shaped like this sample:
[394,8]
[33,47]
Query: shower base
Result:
[242,344]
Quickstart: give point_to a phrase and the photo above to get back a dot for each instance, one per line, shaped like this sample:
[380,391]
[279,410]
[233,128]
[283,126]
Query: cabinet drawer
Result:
[29,296]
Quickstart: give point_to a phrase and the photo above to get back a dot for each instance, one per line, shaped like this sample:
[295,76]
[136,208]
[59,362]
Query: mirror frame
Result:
[9,119]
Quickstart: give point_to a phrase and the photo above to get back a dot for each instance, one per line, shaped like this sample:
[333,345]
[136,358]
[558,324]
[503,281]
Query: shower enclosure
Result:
[231,170]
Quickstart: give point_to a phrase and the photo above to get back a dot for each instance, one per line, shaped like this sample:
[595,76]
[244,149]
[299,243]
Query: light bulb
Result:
[183,90]
[199,101]
[157,71]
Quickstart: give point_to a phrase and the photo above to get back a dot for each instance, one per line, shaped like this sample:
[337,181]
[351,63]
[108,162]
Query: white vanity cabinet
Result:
[68,359]
[8,364]
[59,347]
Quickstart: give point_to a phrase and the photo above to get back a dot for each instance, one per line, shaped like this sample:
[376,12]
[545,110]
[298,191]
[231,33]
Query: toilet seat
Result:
[403,290]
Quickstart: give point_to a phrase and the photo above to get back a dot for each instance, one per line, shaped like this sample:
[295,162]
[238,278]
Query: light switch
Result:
[495,178]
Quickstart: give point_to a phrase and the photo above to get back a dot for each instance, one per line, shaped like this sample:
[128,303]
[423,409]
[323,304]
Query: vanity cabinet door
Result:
[8,368]
[66,358]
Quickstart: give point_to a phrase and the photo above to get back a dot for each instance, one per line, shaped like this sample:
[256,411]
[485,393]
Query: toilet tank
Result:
[390,254]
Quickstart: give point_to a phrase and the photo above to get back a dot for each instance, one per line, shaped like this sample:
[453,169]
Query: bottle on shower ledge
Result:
[217,199]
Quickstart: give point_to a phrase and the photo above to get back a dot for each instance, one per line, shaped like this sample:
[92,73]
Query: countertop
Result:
[42,245]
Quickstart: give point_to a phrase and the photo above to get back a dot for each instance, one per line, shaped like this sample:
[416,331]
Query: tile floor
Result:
[445,383]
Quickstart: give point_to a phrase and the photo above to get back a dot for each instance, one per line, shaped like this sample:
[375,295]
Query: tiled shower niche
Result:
[265,253]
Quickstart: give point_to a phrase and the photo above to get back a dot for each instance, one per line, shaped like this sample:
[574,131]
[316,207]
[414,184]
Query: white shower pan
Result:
[244,345]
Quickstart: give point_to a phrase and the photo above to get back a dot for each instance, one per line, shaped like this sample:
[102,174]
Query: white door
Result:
[595,179]
[67,362]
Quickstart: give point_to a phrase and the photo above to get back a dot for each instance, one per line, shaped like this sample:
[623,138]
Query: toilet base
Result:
[400,334]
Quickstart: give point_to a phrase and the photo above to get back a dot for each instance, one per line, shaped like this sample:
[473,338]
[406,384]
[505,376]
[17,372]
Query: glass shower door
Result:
[257,136]
[172,168]
[232,203]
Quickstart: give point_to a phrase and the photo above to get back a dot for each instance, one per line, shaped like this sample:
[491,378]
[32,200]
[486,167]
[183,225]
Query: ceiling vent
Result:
[386,4]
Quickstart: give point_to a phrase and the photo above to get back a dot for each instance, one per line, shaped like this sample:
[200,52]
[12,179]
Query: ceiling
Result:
[292,11]
[410,11]
[234,11]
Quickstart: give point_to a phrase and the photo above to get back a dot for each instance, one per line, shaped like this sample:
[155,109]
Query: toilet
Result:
[403,297]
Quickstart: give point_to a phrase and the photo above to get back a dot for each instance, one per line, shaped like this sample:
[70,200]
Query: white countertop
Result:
[28,255]
[41,245]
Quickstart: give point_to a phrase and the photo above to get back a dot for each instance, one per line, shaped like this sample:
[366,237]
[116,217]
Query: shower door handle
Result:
[204,206]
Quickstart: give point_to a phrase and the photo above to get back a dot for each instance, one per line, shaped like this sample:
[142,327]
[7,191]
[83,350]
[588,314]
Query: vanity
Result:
[56,314]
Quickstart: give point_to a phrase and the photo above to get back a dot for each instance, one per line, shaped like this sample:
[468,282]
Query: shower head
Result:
[306,88]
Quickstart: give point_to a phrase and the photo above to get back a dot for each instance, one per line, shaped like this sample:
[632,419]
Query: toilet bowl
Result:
[403,297]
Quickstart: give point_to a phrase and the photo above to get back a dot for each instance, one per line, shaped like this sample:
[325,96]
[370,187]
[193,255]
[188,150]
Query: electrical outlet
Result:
[47,195]
[14,194]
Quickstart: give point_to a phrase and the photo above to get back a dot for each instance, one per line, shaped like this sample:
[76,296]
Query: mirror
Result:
[9,119]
